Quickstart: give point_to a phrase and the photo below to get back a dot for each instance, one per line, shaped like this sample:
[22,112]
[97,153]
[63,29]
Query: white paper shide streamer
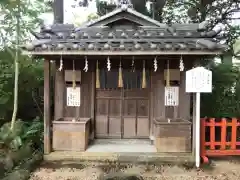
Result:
[61,64]
[108,64]
[133,65]
[171,96]
[86,65]
[155,64]
[181,64]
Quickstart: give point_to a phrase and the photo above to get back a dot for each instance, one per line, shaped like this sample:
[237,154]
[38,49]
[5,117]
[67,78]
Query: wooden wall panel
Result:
[157,108]
[87,85]
[129,129]
[158,93]
[86,91]
[59,94]
[101,130]
[142,108]
[142,122]
[114,128]
[184,99]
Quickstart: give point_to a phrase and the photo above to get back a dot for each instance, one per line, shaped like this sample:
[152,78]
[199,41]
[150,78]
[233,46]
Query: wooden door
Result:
[136,113]
[122,112]
[108,113]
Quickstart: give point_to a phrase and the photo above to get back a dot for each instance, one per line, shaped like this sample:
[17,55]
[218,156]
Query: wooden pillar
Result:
[59,97]
[93,94]
[184,98]
[47,107]
[151,134]
[157,108]
[158,93]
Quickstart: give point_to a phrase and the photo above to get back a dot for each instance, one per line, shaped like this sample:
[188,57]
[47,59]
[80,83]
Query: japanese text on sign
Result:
[73,96]
[199,80]
[171,96]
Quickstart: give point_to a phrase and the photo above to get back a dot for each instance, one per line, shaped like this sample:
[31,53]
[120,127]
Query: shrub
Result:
[24,133]
[224,101]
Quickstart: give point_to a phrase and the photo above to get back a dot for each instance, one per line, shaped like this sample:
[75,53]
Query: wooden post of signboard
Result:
[197,129]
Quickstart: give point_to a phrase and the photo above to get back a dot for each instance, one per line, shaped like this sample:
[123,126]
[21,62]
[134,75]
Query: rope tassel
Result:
[120,77]
[144,84]
[168,75]
[74,76]
[97,76]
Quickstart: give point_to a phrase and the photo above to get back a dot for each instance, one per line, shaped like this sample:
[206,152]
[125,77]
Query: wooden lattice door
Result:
[122,112]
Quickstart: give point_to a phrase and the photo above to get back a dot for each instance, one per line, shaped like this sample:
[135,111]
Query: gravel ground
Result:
[219,170]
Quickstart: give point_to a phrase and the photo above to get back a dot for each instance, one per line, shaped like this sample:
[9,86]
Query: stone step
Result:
[122,141]
[135,158]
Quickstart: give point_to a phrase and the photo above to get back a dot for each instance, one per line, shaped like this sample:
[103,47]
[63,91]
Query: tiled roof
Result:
[178,37]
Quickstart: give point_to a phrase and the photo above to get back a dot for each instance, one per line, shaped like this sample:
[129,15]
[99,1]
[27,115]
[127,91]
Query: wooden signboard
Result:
[198,80]
[73,96]
[171,96]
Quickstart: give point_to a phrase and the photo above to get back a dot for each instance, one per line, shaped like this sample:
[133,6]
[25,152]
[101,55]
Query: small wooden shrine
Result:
[121,76]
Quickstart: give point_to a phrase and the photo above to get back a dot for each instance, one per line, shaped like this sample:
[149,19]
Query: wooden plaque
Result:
[73,96]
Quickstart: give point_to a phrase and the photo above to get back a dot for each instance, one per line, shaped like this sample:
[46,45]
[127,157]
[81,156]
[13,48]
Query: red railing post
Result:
[223,133]
[223,151]
[212,133]
[202,144]
[234,134]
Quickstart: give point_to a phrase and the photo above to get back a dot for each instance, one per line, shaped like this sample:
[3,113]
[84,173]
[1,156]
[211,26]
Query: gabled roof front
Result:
[128,14]
[149,37]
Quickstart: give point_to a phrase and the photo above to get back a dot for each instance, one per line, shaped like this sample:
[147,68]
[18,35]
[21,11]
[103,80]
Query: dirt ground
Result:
[218,170]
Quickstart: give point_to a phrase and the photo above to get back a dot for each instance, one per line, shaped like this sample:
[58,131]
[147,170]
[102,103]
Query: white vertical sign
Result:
[198,80]
[73,96]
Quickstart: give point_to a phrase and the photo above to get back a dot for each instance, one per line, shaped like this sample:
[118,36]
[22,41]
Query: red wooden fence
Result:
[220,137]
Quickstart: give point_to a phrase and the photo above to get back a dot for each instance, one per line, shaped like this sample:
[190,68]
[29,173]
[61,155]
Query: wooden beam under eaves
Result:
[122,53]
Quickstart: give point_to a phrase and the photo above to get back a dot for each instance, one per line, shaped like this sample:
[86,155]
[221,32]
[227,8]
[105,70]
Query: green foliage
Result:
[23,134]
[224,101]
[30,89]
[34,133]
[29,19]
[92,17]
[236,48]
[11,139]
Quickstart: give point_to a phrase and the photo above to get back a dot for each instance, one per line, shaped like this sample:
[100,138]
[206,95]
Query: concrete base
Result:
[121,151]
[134,158]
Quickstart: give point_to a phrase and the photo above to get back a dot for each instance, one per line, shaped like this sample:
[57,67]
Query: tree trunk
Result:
[15,105]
